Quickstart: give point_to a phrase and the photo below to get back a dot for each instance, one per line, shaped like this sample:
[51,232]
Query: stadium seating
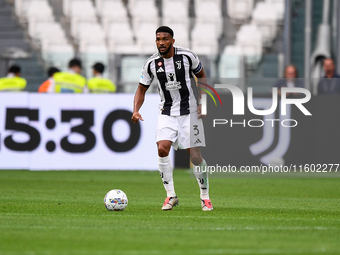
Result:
[51,31]
[208,27]
[39,11]
[33,9]
[92,53]
[82,10]
[181,34]
[102,4]
[56,51]
[45,32]
[77,12]
[57,55]
[176,12]
[112,11]
[120,39]
[176,16]
[217,2]
[249,38]
[239,11]
[146,37]
[145,20]
[78,8]
[115,22]
[82,33]
[204,39]
[259,33]
[279,6]
[143,11]
[131,68]
[265,18]
[127,27]
[132,3]
[209,12]
[83,18]
[229,66]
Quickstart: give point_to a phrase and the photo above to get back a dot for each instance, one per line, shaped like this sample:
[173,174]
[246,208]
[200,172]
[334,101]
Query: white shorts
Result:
[184,131]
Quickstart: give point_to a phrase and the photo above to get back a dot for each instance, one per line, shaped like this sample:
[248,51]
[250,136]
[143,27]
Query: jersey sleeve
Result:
[196,66]
[147,76]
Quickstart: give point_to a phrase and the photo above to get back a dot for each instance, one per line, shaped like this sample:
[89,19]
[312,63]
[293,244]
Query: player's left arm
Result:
[201,80]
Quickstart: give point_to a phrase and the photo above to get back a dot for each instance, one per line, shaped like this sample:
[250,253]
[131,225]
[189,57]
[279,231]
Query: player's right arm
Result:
[138,101]
[144,83]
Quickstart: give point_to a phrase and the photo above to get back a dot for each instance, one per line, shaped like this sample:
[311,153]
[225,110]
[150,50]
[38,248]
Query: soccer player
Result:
[179,122]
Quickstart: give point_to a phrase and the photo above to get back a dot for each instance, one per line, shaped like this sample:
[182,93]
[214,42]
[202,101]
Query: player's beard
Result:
[165,52]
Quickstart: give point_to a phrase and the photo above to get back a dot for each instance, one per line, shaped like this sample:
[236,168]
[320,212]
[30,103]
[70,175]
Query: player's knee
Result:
[162,151]
[196,158]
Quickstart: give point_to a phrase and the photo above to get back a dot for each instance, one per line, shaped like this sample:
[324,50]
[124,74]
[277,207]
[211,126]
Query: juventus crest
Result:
[179,64]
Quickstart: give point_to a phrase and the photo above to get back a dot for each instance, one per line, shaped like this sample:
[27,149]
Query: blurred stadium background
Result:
[234,38]
[244,42]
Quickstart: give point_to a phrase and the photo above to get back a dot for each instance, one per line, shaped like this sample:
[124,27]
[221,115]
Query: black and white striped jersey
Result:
[174,76]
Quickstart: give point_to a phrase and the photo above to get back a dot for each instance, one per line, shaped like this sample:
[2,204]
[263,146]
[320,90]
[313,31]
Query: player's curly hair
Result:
[165,29]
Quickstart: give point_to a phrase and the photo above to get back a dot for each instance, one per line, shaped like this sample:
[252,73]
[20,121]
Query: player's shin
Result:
[166,172]
[202,179]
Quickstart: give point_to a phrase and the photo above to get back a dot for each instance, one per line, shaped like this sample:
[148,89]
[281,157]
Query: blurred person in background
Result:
[44,87]
[290,80]
[98,84]
[330,83]
[13,82]
[71,81]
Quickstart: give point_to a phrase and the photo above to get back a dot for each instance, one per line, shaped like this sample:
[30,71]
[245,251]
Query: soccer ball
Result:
[115,200]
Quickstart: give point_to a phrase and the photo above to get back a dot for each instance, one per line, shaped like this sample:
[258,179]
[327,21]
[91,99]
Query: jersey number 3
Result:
[196,129]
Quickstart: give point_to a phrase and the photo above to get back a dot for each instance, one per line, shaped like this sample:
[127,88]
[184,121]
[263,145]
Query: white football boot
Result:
[169,203]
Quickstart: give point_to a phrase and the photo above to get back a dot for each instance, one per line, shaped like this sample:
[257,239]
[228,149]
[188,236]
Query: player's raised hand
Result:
[136,117]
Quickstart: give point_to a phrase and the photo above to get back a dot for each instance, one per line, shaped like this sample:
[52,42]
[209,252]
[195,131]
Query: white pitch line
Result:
[228,228]
[120,214]
[177,251]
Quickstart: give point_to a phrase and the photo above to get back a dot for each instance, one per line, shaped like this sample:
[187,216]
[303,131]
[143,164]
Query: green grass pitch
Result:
[63,213]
